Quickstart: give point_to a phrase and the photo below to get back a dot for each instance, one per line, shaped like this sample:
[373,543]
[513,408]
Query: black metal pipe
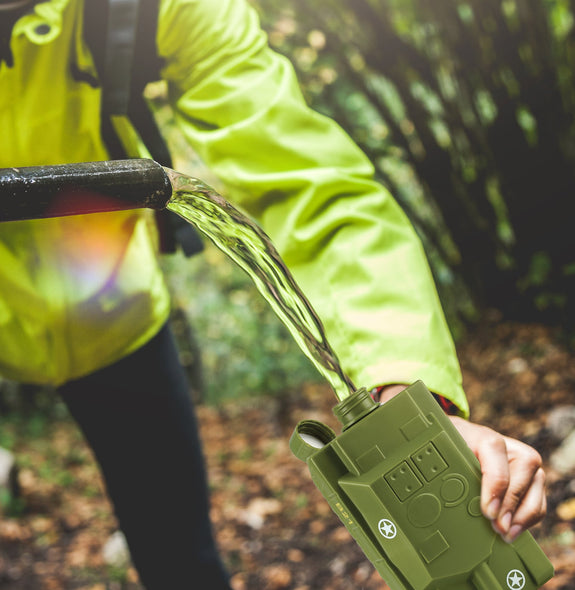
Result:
[89,187]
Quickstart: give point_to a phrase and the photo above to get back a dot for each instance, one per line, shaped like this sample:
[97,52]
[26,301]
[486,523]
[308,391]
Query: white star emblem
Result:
[387,528]
[515,579]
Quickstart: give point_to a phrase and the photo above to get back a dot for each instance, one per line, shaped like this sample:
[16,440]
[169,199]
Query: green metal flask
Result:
[407,487]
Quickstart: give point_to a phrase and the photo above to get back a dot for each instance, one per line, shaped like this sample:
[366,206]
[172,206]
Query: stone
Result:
[116,552]
[8,473]
[561,421]
[517,365]
[563,458]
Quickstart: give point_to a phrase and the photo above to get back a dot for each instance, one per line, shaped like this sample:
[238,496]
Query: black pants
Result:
[138,418]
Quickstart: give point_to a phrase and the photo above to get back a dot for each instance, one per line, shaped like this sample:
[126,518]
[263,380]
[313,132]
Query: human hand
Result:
[513,484]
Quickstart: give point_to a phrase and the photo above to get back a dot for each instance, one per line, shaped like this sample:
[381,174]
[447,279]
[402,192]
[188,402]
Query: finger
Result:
[532,508]
[492,454]
[490,449]
[525,476]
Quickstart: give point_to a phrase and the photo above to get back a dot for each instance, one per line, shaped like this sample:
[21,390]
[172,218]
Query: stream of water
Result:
[252,250]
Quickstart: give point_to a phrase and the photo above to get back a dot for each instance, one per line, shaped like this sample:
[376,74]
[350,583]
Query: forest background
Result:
[467,111]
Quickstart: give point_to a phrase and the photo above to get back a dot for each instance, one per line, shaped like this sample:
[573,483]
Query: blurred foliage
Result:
[466,110]
[32,407]
[245,350]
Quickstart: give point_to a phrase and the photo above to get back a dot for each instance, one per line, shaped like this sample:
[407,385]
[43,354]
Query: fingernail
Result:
[493,509]
[513,533]
[505,522]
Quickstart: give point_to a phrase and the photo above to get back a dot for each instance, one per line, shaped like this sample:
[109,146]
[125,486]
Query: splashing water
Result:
[252,250]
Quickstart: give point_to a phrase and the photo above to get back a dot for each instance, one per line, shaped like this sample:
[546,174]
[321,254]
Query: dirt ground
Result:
[274,529]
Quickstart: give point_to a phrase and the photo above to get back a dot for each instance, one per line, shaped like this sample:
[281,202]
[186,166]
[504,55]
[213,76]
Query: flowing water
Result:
[252,250]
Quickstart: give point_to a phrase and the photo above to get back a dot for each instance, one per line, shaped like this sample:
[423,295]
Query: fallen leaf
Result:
[566,510]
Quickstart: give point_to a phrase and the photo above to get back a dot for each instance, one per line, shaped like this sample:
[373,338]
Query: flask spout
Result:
[355,407]
[38,192]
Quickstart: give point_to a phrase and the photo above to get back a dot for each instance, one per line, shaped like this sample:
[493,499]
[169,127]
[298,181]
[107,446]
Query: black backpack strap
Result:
[121,35]
[119,55]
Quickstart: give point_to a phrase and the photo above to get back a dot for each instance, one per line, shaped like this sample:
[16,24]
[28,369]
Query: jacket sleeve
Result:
[347,242]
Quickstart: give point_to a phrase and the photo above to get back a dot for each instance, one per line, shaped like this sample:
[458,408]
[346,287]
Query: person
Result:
[84,306]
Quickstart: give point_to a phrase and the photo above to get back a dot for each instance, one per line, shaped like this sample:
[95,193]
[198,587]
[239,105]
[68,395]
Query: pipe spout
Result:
[89,187]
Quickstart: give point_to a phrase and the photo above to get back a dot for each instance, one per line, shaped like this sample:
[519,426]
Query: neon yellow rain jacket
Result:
[81,292]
